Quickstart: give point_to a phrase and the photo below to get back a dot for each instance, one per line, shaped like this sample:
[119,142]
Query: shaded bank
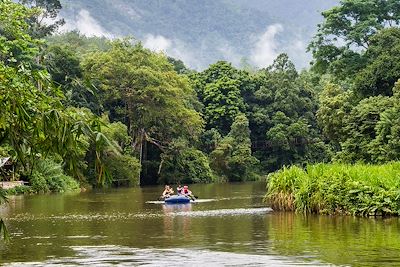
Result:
[364,190]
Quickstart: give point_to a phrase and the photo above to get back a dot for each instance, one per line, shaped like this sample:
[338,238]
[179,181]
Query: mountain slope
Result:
[201,32]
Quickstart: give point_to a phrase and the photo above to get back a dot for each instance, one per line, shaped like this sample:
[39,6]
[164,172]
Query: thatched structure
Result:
[7,169]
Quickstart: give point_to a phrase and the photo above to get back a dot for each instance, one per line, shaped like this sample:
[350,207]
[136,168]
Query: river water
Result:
[228,225]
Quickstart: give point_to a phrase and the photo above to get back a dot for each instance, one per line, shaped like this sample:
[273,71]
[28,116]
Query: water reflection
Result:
[341,240]
[173,224]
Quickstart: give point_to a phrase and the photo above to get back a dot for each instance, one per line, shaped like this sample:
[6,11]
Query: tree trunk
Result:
[141,140]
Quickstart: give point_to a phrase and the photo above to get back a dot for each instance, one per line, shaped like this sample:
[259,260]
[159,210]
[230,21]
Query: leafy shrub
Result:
[183,164]
[48,176]
[123,169]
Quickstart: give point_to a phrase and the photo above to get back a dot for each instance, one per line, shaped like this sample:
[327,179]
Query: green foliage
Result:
[179,66]
[382,68]
[346,32]
[209,140]
[359,129]
[334,105]
[282,116]
[63,64]
[222,90]
[25,94]
[19,190]
[81,44]
[232,157]
[141,88]
[116,132]
[365,131]
[123,169]
[154,98]
[365,190]
[33,120]
[48,176]
[222,102]
[184,164]
[16,45]
[46,11]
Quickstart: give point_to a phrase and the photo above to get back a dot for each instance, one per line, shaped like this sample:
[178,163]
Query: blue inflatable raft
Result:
[177,199]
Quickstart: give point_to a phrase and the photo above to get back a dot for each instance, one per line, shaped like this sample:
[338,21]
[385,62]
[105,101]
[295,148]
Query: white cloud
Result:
[180,50]
[157,43]
[230,54]
[172,47]
[265,47]
[86,24]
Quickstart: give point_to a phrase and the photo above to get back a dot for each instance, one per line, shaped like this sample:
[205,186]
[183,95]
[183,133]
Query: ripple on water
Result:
[119,216]
[115,216]
[126,256]
[224,212]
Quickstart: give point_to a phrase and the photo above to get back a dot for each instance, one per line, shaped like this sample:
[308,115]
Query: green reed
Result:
[359,189]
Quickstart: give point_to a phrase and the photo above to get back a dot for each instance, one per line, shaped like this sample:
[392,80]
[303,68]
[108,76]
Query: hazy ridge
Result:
[202,32]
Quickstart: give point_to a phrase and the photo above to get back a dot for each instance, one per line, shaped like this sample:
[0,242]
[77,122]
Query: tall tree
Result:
[63,64]
[360,129]
[282,117]
[382,68]
[346,31]
[222,89]
[232,157]
[334,105]
[33,121]
[222,102]
[370,131]
[45,20]
[156,103]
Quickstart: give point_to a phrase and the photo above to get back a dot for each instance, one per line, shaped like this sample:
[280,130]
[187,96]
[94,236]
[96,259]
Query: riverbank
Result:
[363,190]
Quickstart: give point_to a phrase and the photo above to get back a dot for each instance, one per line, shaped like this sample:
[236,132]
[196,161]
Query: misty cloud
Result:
[86,24]
[230,54]
[174,48]
[266,47]
[157,43]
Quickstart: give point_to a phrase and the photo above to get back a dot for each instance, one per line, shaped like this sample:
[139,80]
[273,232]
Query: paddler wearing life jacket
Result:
[185,191]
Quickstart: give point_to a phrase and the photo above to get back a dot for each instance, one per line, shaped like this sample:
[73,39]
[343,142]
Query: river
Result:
[228,225]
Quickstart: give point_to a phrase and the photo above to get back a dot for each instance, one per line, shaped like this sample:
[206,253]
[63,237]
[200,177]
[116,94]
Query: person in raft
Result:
[187,192]
[168,191]
[179,189]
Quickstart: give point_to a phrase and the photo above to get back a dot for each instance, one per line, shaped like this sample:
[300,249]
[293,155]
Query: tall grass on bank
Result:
[365,190]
